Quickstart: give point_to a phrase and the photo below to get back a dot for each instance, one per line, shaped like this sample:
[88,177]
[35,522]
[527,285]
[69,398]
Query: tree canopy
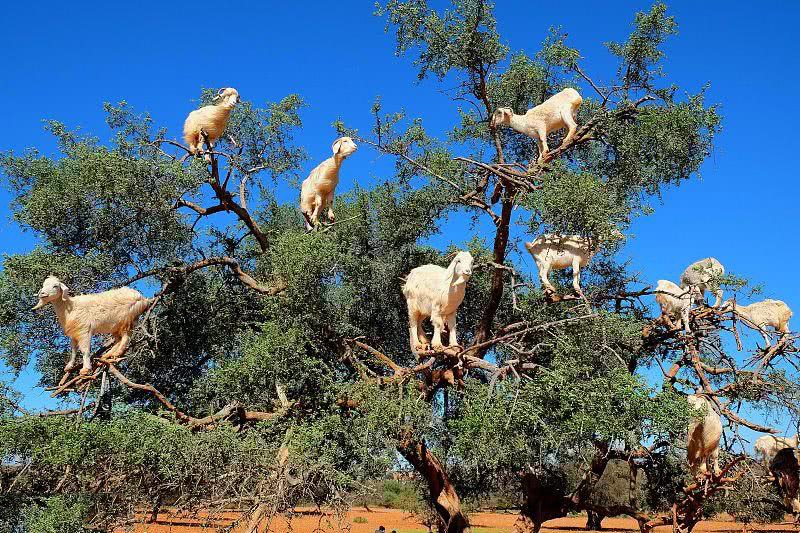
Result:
[274,368]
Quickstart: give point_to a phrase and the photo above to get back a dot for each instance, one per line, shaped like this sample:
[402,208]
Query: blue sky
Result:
[62,61]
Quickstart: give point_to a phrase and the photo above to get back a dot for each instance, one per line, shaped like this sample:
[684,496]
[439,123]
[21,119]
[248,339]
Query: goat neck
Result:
[337,160]
[61,308]
[518,123]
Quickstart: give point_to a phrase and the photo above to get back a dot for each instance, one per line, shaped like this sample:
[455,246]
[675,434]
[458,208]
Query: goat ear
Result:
[64,291]
[337,144]
[451,272]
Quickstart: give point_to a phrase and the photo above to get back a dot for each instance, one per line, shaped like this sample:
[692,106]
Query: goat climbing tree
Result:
[290,349]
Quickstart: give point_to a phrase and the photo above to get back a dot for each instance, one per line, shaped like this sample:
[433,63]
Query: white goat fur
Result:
[675,303]
[557,112]
[556,252]
[701,276]
[212,119]
[702,442]
[768,446]
[435,292]
[760,315]
[318,188]
[111,312]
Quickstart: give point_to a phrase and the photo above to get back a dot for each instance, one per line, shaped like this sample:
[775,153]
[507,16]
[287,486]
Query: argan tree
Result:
[273,367]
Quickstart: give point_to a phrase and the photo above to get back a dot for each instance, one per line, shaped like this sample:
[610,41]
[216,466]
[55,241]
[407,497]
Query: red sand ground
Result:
[309,521]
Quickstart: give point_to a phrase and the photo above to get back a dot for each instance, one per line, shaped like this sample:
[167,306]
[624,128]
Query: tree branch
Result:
[178,273]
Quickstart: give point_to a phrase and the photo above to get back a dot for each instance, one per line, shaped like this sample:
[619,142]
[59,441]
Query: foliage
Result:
[751,499]
[132,212]
[615,488]
[395,494]
[58,515]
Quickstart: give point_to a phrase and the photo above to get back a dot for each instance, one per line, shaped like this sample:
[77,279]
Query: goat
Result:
[111,312]
[435,292]
[563,251]
[318,188]
[767,446]
[702,441]
[785,470]
[557,112]
[759,315]
[701,276]
[675,302]
[211,120]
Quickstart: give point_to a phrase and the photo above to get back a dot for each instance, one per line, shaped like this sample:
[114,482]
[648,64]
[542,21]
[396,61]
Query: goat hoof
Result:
[552,297]
[85,371]
[423,348]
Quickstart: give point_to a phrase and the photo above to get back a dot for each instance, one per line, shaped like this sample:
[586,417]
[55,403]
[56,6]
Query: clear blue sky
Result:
[62,61]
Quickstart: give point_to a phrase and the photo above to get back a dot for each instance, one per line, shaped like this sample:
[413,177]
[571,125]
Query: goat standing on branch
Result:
[435,292]
[702,442]
[558,252]
[704,275]
[211,120]
[111,312]
[768,446]
[557,112]
[318,188]
[760,315]
[675,303]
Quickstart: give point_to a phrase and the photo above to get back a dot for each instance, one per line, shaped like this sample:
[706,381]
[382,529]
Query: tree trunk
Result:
[541,503]
[594,521]
[252,521]
[498,275]
[599,462]
[442,495]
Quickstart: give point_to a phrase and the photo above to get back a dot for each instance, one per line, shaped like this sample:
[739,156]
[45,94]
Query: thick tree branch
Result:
[441,491]
[176,275]
[230,411]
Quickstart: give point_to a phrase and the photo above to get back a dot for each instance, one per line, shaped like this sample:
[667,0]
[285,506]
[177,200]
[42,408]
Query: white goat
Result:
[111,312]
[702,442]
[318,188]
[563,251]
[768,446]
[704,275]
[760,315]
[435,292]
[675,303]
[557,112]
[211,119]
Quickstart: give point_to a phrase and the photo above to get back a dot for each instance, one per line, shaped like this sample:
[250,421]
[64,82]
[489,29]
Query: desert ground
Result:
[361,520]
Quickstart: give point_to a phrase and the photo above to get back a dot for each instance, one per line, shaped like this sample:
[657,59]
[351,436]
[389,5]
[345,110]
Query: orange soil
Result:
[309,521]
